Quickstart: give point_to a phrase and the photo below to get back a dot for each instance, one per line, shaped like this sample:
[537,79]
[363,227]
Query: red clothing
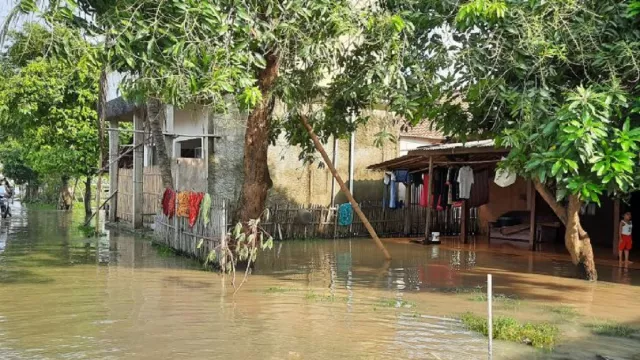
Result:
[424,201]
[194,207]
[169,203]
[625,242]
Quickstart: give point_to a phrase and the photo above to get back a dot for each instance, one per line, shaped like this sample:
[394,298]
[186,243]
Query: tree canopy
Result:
[47,108]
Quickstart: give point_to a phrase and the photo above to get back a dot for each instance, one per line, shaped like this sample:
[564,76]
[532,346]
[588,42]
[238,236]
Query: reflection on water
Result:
[65,296]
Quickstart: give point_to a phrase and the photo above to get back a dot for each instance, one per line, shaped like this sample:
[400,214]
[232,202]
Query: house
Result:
[516,214]
[207,153]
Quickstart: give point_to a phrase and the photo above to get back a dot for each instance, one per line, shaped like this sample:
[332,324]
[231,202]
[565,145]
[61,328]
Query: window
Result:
[191,148]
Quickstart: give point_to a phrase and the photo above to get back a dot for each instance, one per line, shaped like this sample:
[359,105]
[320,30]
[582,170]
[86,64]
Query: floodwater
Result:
[63,296]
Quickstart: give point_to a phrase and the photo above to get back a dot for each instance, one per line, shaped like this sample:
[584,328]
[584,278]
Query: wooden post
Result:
[464,221]
[616,226]
[114,146]
[344,188]
[427,229]
[138,169]
[407,210]
[532,221]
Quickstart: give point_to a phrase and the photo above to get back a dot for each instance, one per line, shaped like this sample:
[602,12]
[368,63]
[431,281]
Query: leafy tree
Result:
[47,108]
[552,80]
[327,60]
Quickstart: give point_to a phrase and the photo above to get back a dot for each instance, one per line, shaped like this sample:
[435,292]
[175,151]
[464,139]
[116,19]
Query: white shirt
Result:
[465,180]
[626,228]
[3,190]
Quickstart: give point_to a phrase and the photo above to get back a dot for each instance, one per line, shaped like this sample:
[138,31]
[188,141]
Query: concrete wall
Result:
[297,183]
[294,182]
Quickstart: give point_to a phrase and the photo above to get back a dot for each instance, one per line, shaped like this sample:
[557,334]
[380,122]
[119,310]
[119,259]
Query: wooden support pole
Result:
[344,188]
[616,226]
[114,146]
[138,170]
[464,221]
[407,209]
[532,222]
[427,229]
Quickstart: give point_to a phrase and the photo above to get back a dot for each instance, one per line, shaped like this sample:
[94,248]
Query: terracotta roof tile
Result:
[422,130]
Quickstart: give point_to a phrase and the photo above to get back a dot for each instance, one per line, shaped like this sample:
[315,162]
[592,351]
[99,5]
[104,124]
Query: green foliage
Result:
[505,328]
[47,107]
[334,61]
[554,80]
[613,330]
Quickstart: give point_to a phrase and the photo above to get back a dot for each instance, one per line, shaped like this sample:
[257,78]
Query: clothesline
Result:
[455,163]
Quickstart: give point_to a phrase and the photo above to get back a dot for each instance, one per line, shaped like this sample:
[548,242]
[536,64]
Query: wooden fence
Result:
[186,239]
[151,193]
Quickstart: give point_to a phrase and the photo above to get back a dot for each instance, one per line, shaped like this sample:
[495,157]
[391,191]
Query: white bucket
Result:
[435,237]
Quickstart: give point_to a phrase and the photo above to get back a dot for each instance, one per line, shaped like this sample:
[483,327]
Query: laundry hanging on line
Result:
[465,181]
[205,207]
[169,202]
[345,214]
[183,204]
[194,207]
[393,192]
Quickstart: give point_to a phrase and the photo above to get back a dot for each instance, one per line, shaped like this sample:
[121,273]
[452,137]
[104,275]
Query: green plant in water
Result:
[395,303]
[164,250]
[541,335]
[278,290]
[563,310]
[612,329]
[90,231]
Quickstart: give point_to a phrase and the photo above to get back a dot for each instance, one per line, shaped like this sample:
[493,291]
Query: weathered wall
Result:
[297,183]
[294,182]
[227,153]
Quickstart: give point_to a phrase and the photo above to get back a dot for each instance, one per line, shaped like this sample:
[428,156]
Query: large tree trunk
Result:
[576,240]
[65,194]
[257,180]
[156,116]
[87,197]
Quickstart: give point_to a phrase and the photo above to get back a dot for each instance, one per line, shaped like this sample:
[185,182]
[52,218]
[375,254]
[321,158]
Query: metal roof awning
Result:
[469,153]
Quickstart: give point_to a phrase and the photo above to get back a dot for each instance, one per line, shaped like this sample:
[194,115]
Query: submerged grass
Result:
[312,296]
[542,335]
[395,303]
[505,300]
[612,329]
[564,311]
[279,290]
[164,250]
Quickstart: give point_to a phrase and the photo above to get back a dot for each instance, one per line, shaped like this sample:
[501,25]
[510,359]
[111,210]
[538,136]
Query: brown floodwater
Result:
[63,296]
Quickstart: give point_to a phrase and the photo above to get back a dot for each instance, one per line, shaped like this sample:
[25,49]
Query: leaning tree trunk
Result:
[156,116]
[257,180]
[87,197]
[576,239]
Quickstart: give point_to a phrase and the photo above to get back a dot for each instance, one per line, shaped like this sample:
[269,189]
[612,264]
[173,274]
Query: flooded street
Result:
[63,296]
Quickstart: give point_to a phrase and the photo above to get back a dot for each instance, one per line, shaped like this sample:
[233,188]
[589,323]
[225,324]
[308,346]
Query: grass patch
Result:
[164,250]
[394,303]
[563,310]
[613,330]
[311,296]
[278,290]
[541,335]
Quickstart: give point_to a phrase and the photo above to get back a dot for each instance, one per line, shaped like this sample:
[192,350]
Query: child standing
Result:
[625,237]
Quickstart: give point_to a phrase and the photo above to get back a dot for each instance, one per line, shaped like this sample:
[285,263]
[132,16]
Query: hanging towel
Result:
[393,194]
[424,196]
[169,202]
[345,214]
[194,206]
[183,204]
[205,206]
